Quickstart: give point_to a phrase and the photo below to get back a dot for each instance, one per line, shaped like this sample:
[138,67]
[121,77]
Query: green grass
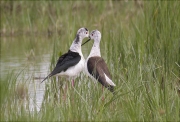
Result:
[140,43]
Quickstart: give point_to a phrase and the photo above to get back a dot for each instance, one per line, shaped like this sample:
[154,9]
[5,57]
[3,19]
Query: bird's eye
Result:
[92,34]
[86,32]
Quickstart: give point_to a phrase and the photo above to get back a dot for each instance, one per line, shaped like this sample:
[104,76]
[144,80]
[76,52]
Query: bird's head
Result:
[83,32]
[94,35]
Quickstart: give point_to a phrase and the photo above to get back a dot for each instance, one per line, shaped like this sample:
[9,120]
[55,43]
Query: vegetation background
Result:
[140,43]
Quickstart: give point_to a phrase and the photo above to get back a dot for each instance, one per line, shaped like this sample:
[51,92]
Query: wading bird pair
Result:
[72,63]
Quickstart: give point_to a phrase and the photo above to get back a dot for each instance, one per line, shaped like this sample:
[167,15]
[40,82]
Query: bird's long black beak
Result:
[86,41]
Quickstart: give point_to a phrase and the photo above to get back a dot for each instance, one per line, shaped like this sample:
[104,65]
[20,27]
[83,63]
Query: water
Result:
[30,59]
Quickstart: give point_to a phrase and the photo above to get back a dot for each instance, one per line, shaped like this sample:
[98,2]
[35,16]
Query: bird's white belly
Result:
[74,70]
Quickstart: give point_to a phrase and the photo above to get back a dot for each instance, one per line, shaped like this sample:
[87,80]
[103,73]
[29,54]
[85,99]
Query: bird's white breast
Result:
[74,70]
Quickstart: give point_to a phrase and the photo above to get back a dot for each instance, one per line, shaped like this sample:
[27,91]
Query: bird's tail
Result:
[111,89]
[45,78]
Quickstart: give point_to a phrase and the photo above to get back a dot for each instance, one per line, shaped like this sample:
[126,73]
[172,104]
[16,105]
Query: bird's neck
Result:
[76,45]
[95,51]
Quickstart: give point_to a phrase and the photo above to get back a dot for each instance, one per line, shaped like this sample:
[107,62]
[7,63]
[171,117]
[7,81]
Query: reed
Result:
[140,43]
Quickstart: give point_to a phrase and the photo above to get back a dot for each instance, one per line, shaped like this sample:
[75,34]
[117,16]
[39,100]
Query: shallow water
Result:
[30,58]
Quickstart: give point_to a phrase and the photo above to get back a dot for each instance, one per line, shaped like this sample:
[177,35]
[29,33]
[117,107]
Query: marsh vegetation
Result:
[140,44]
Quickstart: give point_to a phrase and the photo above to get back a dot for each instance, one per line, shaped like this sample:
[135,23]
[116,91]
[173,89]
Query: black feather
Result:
[64,62]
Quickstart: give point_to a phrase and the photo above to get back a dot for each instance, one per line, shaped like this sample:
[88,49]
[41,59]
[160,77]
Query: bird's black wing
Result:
[97,67]
[64,62]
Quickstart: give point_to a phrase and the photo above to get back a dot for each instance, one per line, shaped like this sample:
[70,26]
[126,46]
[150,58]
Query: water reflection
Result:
[36,93]
[36,88]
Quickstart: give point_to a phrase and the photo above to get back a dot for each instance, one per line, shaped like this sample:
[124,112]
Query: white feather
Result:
[109,80]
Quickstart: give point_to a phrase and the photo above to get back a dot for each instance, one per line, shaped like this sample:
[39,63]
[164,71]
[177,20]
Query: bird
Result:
[70,64]
[95,66]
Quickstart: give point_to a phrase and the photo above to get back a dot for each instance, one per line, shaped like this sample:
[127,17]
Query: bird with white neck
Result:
[70,64]
[95,66]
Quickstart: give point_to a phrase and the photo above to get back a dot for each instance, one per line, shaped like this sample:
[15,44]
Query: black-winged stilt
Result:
[95,65]
[71,63]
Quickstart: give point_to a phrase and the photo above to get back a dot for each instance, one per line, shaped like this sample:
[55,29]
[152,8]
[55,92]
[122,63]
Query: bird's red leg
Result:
[73,83]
